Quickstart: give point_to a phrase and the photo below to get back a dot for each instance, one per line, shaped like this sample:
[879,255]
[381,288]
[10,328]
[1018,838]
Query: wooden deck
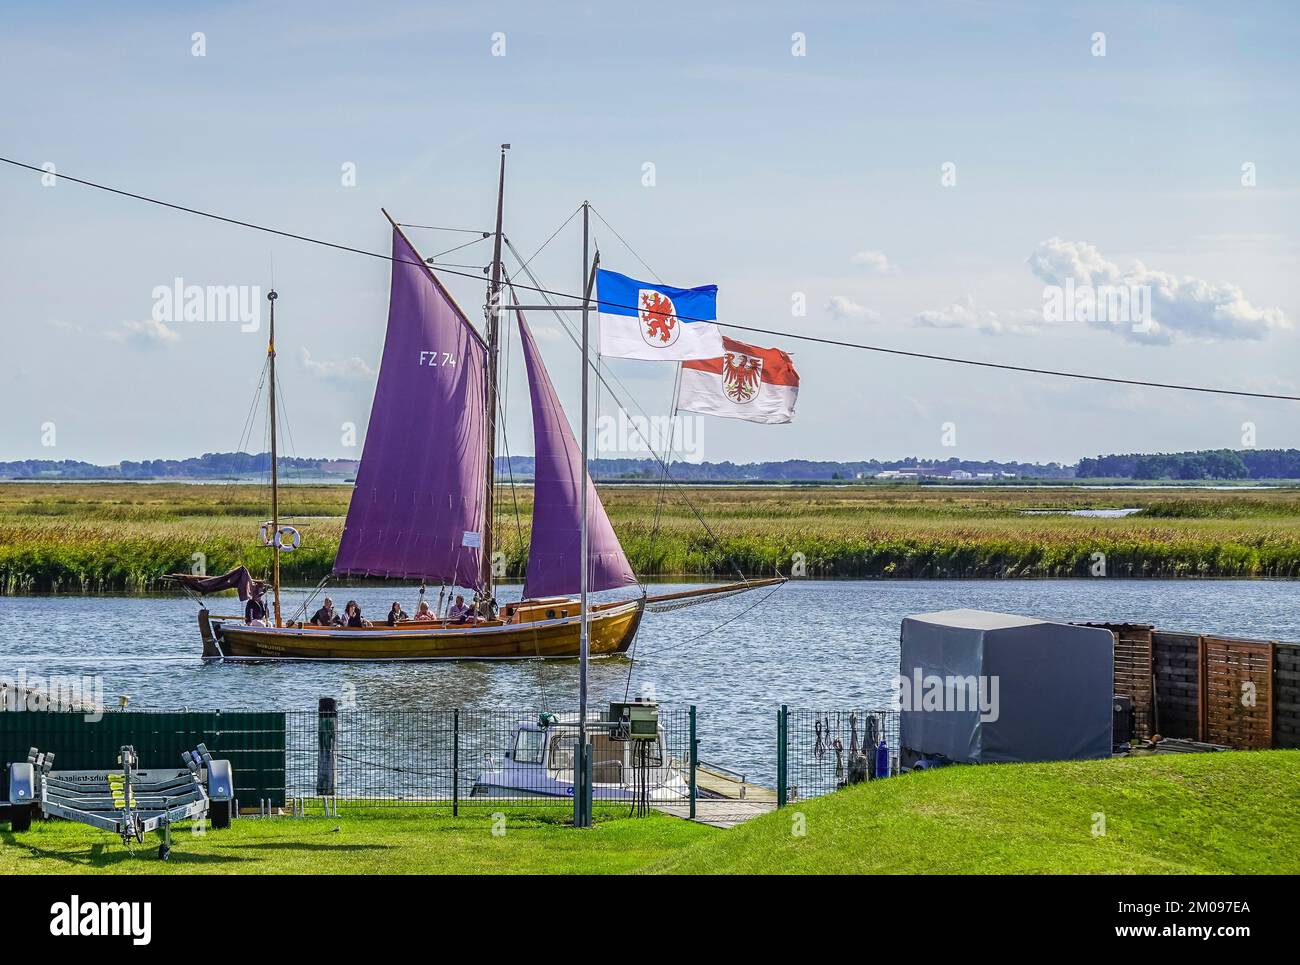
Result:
[731,799]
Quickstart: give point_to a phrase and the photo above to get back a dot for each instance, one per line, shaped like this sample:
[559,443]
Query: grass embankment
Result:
[124,536]
[1181,813]
[1226,813]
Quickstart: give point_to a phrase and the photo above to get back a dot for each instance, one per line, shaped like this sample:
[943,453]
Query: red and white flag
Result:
[755,384]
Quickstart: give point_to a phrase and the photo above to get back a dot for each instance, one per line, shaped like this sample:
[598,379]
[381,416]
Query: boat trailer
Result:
[128,802]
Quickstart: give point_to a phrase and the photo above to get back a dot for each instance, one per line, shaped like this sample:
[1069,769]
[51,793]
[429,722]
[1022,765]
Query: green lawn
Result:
[1185,813]
[375,841]
[1227,813]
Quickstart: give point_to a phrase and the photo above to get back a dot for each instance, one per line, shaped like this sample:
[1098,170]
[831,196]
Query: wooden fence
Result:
[1222,690]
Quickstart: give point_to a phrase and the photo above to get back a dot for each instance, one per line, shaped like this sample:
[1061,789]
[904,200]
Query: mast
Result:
[493,328]
[584,642]
[583,787]
[271,296]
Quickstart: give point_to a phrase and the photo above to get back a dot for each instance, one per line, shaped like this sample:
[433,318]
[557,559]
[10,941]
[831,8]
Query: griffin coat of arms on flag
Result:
[741,376]
[659,324]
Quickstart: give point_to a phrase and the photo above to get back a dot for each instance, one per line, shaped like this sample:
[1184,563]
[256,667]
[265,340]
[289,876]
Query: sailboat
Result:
[421,506]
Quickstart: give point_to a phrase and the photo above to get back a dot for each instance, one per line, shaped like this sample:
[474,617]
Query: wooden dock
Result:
[726,798]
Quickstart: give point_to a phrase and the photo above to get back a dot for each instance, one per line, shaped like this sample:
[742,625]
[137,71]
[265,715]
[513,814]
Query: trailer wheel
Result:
[219,814]
[164,852]
[20,818]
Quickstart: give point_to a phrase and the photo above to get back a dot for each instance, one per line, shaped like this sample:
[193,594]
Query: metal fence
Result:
[461,758]
[820,751]
[470,757]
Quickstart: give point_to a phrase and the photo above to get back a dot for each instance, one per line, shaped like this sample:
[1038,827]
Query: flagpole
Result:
[582,760]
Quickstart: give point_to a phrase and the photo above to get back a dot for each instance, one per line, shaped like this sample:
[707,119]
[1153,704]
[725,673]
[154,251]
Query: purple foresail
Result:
[555,553]
[421,483]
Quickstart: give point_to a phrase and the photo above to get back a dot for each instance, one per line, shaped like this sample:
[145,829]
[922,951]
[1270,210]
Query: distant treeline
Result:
[803,470]
[210,465]
[1203,464]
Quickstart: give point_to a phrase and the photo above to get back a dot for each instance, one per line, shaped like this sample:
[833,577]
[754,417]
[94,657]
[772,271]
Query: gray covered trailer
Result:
[978,687]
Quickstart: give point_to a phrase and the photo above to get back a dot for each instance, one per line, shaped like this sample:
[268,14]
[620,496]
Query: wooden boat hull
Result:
[612,628]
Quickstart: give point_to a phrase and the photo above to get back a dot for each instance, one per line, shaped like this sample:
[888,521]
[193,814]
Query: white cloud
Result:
[874,260]
[1180,307]
[965,314]
[840,306]
[352,369]
[147,334]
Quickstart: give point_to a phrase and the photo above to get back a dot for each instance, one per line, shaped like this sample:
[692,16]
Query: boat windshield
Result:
[609,757]
[529,746]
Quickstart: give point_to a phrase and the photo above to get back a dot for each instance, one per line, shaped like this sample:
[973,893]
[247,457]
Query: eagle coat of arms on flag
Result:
[741,376]
[659,324]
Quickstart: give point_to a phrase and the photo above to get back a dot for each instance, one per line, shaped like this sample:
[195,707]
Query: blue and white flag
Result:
[639,320]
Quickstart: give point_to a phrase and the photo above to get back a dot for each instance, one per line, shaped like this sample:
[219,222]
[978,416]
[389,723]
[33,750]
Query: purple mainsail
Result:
[555,550]
[421,484]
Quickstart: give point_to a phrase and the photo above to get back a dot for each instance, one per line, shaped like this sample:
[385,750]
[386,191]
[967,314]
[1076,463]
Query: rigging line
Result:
[567,325]
[733,619]
[246,436]
[1055,373]
[472,241]
[623,241]
[434,227]
[448,265]
[562,226]
[672,435]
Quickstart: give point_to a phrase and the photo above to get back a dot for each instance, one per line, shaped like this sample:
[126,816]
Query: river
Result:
[812,643]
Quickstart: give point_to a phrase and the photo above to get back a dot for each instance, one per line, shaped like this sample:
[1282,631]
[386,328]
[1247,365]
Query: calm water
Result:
[818,644]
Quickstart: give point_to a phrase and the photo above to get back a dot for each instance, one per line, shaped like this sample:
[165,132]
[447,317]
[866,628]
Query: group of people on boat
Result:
[460,612]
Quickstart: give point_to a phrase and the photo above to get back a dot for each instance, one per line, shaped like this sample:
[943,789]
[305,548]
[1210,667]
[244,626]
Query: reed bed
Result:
[100,537]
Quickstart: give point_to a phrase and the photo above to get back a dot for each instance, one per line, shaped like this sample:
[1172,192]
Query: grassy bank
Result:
[99,536]
[1227,813]
[378,841]
[1176,814]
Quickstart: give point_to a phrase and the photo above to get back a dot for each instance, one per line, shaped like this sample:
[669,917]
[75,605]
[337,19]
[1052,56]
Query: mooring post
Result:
[695,747]
[782,726]
[455,763]
[327,744]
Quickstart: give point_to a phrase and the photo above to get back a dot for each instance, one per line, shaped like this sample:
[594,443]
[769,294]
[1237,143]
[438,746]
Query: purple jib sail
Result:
[555,552]
[421,485]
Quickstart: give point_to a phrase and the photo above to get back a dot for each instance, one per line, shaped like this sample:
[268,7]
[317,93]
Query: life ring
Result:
[266,532]
[287,539]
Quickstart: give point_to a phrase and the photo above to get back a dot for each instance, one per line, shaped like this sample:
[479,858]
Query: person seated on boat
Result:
[354,617]
[485,608]
[327,616]
[459,612]
[396,615]
[423,614]
[255,609]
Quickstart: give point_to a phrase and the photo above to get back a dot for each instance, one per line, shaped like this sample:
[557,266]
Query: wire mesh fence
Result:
[468,757]
[820,751]
[465,757]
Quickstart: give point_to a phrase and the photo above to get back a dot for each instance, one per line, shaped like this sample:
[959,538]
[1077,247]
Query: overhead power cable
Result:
[818,340]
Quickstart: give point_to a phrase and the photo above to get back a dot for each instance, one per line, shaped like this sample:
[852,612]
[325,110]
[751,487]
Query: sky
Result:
[918,176]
